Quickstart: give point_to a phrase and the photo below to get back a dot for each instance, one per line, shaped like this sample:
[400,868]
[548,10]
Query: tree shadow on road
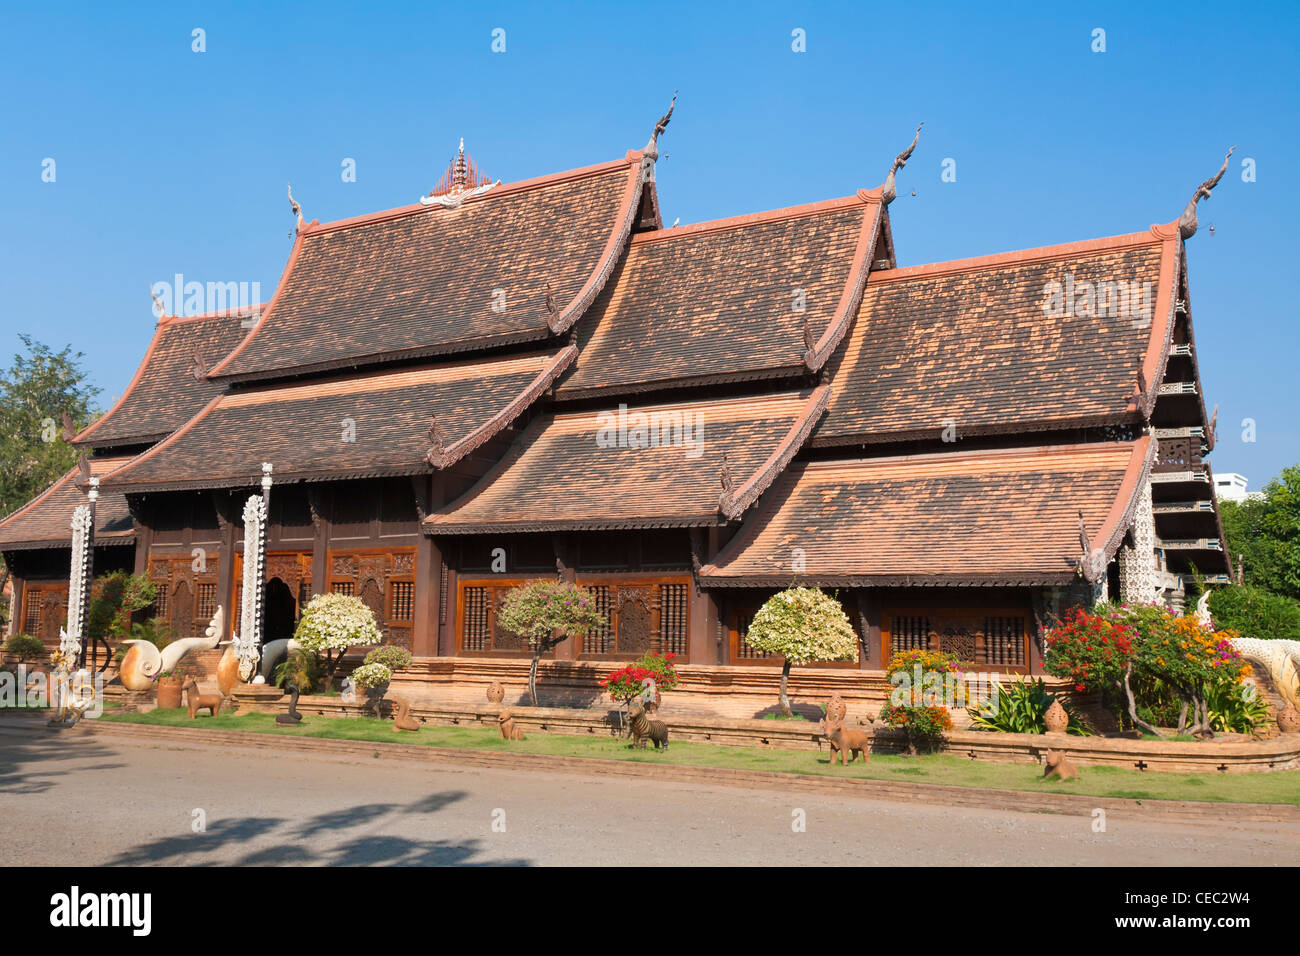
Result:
[334,838]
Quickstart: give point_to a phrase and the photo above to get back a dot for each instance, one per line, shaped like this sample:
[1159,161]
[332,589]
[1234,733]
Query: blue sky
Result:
[168,160]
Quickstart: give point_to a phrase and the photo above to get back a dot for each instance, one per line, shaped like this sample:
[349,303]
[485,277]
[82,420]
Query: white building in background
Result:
[1231,486]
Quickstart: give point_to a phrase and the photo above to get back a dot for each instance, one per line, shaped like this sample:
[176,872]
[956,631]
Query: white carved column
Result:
[1137,562]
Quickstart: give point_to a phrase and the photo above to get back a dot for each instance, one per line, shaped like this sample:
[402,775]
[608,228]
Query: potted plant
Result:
[169,690]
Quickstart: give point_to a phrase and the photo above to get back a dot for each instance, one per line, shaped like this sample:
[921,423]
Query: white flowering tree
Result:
[546,612]
[803,625]
[331,623]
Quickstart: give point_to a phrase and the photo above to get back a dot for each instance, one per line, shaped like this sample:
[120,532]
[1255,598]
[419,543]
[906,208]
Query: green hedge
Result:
[1254,612]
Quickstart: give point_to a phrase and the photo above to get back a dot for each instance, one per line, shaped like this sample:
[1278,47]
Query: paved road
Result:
[135,802]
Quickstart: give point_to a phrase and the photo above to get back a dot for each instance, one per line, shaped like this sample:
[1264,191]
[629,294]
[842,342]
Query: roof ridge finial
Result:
[158,304]
[651,152]
[889,191]
[294,207]
[1187,221]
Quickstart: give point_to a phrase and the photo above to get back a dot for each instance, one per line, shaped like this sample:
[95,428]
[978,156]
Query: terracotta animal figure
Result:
[403,720]
[292,717]
[506,721]
[846,742]
[1057,766]
[194,701]
[643,728]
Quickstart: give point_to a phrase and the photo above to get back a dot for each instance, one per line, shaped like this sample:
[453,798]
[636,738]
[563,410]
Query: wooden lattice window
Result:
[602,641]
[674,633]
[32,605]
[740,649]
[206,602]
[160,602]
[344,587]
[992,638]
[476,619]
[402,606]
[1004,639]
[643,615]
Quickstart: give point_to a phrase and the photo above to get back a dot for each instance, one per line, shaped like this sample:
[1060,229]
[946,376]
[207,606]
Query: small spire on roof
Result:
[890,191]
[651,152]
[461,180]
[294,207]
[1187,221]
[158,306]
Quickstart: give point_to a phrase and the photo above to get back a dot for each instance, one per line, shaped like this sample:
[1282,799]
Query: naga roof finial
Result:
[293,205]
[158,305]
[890,191]
[728,481]
[437,453]
[651,151]
[1187,221]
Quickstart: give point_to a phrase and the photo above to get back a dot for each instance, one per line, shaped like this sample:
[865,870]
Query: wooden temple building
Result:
[513,380]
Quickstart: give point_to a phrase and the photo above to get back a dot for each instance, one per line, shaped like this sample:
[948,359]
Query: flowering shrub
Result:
[921,679]
[331,623]
[394,658]
[803,625]
[1091,650]
[372,675]
[625,683]
[546,612]
[1159,661]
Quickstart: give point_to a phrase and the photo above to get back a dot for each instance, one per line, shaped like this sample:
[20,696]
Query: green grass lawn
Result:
[1280,787]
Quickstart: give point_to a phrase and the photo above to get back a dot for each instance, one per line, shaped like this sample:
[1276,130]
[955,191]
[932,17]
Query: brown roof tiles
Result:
[644,467]
[971,343]
[729,300]
[1006,517]
[170,385]
[421,281]
[46,521]
[364,425]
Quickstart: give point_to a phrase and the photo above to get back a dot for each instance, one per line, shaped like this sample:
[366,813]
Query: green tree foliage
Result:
[1254,612]
[1265,534]
[803,625]
[36,391]
[118,595]
[546,612]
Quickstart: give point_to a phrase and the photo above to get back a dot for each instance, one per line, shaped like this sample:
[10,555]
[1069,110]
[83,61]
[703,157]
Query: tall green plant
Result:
[1020,707]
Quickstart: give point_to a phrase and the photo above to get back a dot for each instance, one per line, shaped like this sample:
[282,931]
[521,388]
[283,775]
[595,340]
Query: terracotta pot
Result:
[169,693]
[1288,721]
[495,692]
[1056,719]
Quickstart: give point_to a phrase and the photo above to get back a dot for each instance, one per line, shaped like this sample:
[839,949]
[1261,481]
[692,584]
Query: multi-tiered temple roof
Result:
[954,423]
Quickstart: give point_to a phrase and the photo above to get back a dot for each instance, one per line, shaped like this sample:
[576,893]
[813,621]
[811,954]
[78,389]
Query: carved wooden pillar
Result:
[704,618]
[428,572]
[143,533]
[16,605]
[868,609]
[221,501]
[318,500]
[567,649]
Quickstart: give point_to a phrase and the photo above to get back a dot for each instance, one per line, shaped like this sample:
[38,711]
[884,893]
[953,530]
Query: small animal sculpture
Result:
[849,742]
[403,719]
[506,721]
[1057,766]
[292,717]
[195,702]
[643,728]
